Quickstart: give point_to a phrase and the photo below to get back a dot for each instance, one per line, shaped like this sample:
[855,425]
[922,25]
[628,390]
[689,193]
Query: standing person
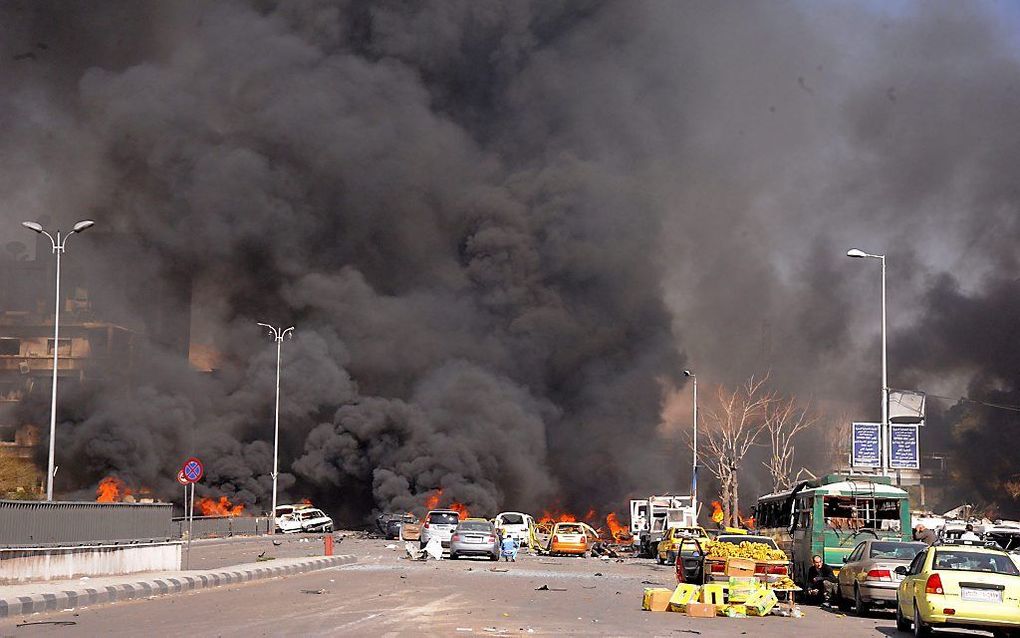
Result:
[968,534]
[821,581]
[925,535]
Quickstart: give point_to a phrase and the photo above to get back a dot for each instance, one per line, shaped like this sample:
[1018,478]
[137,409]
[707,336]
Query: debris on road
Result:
[313,591]
[548,588]
[55,623]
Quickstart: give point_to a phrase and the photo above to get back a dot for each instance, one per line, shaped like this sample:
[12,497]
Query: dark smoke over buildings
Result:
[501,229]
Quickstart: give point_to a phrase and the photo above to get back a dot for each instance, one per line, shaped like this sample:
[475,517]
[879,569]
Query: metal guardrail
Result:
[41,523]
[222,526]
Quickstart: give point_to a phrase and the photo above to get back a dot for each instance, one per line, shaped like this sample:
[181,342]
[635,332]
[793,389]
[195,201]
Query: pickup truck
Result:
[696,566]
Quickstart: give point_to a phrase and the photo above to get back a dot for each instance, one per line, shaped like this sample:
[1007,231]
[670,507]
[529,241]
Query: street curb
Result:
[72,599]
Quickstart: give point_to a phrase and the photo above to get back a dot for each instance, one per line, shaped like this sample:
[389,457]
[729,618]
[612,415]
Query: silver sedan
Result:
[868,577]
[474,538]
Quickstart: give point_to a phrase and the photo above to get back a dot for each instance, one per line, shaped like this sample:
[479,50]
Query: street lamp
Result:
[278,336]
[694,469]
[860,254]
[58,249]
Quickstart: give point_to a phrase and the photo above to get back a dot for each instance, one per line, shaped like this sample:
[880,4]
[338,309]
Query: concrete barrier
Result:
[33,564]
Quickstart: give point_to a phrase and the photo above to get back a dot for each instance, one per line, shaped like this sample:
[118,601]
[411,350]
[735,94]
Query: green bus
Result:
[830,515]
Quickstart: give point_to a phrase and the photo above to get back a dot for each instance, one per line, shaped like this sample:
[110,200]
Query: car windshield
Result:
[737,539]
[896,551]
[569,529]
[306,514]
[474,526]
[444,518]
[961,560]
[512,519]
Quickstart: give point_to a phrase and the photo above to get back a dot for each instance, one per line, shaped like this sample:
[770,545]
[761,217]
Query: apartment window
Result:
[65,347]
[10,347]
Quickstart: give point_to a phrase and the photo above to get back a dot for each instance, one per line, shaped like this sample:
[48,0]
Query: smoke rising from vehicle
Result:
[503,229]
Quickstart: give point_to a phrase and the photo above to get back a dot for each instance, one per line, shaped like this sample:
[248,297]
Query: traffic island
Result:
[59,596]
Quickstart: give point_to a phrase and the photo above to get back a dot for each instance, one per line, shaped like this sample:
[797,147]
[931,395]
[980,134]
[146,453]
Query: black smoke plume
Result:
[501,229]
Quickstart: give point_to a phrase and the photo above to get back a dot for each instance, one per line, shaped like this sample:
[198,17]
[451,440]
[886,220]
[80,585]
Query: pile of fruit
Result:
[784,582]
[758,552]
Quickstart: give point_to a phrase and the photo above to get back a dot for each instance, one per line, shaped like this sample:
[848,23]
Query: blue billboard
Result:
[866,439]
[903,452]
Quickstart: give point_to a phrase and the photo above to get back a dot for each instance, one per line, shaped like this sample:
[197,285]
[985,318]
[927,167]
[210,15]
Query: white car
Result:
[516,525]
[439,524]
[307,519]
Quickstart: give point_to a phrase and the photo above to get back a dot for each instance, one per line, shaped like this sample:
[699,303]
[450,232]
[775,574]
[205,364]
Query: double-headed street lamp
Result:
[278,336]
[58,249]
[694,445]
[860,254]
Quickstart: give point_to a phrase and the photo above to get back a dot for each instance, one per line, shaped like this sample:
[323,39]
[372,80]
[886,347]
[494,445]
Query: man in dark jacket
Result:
[821,581]
[925,535]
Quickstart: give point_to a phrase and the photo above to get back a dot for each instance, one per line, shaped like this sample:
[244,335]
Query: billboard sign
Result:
[866,445]
[903,448]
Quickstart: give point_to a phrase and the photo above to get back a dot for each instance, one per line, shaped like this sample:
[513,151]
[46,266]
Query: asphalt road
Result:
[384,595]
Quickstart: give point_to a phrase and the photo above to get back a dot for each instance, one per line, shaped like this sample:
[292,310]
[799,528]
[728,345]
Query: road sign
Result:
[866,445]
[903,452]
[193,470]
[183,480]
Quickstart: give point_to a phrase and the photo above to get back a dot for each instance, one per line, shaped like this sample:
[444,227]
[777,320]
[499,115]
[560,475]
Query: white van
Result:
[516,525]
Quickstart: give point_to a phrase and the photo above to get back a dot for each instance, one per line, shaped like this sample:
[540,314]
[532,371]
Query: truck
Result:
[651,518]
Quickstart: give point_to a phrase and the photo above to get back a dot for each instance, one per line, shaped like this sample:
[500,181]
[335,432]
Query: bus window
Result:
[847,512]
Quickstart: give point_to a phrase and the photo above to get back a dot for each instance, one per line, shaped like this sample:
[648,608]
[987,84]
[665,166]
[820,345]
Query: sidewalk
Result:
[70,594]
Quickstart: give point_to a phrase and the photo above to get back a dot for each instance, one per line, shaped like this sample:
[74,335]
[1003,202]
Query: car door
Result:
[851,569]
[907,591]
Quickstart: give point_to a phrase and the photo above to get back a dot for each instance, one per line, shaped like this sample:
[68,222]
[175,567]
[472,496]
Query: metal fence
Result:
[38,523]
[221,526]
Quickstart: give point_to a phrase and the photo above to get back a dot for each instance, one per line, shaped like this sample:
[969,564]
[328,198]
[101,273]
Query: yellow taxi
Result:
[960,584]
[677,540]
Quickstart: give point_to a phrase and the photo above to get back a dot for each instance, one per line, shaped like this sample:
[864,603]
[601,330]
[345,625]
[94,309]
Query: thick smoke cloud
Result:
[501,229]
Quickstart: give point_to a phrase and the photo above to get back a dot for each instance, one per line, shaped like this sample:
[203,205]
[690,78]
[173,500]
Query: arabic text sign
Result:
[866,445]
[903,452]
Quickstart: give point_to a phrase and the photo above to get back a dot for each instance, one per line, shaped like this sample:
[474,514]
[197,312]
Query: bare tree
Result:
[733,426]
[784,419]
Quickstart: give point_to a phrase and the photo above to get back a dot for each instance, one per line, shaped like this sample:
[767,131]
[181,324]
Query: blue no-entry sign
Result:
[193,470]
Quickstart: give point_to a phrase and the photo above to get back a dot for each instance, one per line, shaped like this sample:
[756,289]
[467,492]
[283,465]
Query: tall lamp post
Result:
[694,468]
[57,243]
[278,336]
[860,254]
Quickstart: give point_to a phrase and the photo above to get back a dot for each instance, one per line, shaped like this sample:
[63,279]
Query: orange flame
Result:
[221,507]
[432,502]
[717,512]
[435,498]
[112,490]
[619,532]
[552,516]
[305,501]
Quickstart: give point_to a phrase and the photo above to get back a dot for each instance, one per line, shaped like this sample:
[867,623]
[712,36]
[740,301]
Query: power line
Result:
[1012,408]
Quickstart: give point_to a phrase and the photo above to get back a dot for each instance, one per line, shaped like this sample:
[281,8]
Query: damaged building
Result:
[99,339]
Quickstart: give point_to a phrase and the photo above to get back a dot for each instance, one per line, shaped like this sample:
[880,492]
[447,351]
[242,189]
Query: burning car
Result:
[571,538]
[307,519]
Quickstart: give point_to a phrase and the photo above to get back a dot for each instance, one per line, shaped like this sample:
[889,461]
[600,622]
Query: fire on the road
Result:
[219,507]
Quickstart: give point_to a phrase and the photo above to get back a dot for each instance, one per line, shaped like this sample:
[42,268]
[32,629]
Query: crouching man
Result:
[822,583]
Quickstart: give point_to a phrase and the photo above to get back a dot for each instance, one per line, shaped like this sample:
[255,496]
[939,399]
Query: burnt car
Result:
[390,523]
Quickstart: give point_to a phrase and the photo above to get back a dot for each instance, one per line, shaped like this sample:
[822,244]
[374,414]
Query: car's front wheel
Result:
[901,623]
[921,629]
